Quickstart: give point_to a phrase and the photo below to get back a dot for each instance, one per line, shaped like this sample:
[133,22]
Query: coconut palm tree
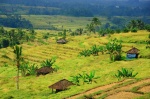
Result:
[18,54]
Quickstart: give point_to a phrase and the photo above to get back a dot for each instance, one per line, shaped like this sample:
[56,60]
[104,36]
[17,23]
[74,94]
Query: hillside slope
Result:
[70,64]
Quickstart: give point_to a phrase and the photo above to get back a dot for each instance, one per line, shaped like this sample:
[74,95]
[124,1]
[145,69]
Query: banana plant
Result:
[85,53]
[75,79]
[94,50]
[125,73]
[83,77]
[18,54]
[32,69]
[48,62]
[24,68]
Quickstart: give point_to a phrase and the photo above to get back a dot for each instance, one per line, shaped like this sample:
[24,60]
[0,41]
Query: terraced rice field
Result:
[71,64]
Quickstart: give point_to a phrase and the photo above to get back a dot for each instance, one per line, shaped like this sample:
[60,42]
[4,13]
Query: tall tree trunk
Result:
[17,79]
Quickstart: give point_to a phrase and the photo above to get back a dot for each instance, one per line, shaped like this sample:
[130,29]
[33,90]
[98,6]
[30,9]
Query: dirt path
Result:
[117,90]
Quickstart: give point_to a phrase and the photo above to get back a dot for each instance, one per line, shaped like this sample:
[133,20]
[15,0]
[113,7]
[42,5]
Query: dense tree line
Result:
[15,36]
[15,21]
[78,8]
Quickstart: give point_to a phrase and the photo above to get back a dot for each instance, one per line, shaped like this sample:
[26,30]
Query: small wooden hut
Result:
[133,53]
[61,41]
[61,85]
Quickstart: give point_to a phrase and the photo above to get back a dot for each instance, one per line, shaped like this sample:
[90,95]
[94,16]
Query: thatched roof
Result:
[61,85]
[133,51]
[61,41]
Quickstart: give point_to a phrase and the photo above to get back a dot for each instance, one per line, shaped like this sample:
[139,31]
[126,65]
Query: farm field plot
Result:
[69,63]
[60,22]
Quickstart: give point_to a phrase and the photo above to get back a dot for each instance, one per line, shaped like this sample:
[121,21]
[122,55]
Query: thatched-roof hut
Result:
[61,41]
[133,53]
[61,85]
[44,70]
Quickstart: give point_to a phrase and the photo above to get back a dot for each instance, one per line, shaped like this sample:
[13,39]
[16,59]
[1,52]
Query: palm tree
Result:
[18,54]
[132,24]
[140,24]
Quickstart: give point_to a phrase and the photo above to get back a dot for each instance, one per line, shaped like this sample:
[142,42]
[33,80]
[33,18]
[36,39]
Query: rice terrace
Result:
[52,50]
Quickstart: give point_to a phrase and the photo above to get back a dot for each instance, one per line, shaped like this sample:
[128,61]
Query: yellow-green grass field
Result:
[69,63]
[60,22]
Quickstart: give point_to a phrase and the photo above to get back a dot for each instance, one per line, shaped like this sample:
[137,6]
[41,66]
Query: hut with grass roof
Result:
[61,85]
[132,53]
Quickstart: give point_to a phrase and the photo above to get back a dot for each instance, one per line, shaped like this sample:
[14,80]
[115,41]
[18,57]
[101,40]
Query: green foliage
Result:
[136,24]
[102,32]
[15,21]
[90,77]
[75,79]
[90,27]
[124,72]
[84,77]
[78,31]
[18,53]
[46,36]
[64,34]
[32,69]
[114,47]
[147,27]
[134,30]
[5,42]
[94,50]
[48,62]
[85,53]
[93,25]
[102,49]
[118,31]
[24,68]
[15,36]
[148,42]
[126,30]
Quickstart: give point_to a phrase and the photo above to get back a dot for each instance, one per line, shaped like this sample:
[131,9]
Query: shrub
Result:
[75,79]
[134,30]
[147,27]
[102,49]
[118,31]
[125,73]
[94,50]
[86,78]
[32,69]
[126,30]
[48,62]
[85,53]
[24,68]
[114,48]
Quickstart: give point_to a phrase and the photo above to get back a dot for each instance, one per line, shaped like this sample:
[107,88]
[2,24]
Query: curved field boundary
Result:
[126,89]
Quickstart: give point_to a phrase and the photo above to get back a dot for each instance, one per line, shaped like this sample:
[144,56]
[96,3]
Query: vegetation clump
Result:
[124,72]
[84,77]
[114,49]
